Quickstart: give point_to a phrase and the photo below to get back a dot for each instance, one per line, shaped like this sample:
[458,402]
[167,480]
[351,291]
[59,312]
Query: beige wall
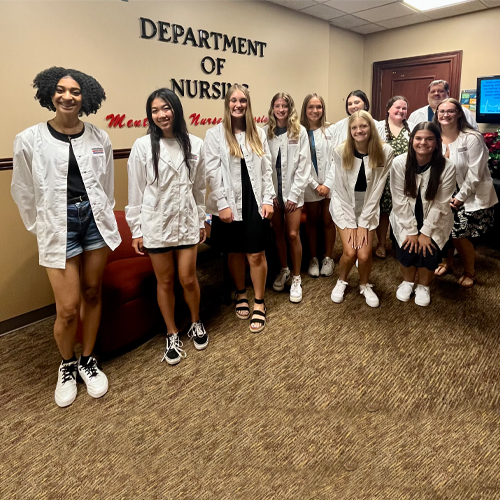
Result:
[476,34]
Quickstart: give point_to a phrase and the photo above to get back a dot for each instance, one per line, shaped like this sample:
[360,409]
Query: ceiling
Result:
[370,16]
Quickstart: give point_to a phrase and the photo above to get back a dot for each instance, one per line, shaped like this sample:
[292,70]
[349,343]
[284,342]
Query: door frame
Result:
[454,57]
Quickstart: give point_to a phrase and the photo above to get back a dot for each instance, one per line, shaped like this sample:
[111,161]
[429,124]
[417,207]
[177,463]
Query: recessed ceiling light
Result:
[433,4]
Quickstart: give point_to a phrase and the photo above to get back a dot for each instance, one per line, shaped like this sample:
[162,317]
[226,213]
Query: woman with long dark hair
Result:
[356,100]
[362,164]
[290,158]
[395,131]
[239,173]
[166,211]
[422,182]
[63,184]
[475,195]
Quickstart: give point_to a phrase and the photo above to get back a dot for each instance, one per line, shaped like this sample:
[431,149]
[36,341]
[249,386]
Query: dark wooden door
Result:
[410,77]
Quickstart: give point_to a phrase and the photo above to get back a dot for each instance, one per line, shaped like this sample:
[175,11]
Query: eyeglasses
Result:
[442,112]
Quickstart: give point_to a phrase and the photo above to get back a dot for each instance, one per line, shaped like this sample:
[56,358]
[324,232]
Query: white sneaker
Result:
[338,291]
[404,291]
[422,295]
[327,267]
[313,270]
[283,278]
[296,289]
[95,380]
[370,296]
[65,392]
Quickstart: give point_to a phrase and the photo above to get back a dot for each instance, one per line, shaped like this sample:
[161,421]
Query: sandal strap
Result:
[260,313]
[470,275]
[240,301]
[259,301]
[241,292]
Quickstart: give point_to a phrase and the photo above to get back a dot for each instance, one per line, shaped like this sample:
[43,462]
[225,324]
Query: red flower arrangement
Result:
[492,140]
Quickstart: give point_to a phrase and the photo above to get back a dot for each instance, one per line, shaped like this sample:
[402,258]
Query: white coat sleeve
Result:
[136,167]
[477,159]
[400,202]
[200,188]
[268,193]
[371,205]
[22,188]
[213,168]
[441,205]
[109,174]
[330,174]
[303,171]
[342,191]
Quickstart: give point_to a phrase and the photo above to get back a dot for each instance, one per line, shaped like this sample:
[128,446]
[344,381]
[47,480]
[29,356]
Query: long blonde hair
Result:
[303,117]
[251,133]
[375,145]
[292,126]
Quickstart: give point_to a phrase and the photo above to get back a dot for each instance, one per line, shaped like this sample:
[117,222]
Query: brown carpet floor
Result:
[331,402]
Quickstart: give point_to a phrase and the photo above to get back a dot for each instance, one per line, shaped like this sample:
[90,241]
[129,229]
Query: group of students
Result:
[428,178]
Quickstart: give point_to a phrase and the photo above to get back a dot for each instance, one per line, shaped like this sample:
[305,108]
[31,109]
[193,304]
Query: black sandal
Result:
[260,321]
[241,309]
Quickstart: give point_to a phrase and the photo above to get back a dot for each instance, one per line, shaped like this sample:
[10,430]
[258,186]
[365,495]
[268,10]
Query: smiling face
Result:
[163,116]
[238,105]
[68,97]
[360,131]
[424,144]
[314,111]
[397,112]
[355,103]
[447,114]
[436,94]
[281,110]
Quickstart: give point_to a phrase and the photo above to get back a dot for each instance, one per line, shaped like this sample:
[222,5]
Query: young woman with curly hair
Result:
[63,185]
[239,173]
[362,164]
[166,211]
[290,157]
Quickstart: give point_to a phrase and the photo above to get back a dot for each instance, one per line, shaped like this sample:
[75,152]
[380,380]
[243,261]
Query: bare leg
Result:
[279,231]
[328,228]
[425,276]
[66,287]
[382,235]
[236,263]
[164,268]
[447,262]
[465,249]
[409,273]
[186,267]
[258,273]
[312,215]
[348,257]
[292,221]
[93,264]
[365,259]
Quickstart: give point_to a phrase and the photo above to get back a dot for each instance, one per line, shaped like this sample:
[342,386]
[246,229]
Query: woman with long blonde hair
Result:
[291,168]
[322,139]
[239,173]
[362,164]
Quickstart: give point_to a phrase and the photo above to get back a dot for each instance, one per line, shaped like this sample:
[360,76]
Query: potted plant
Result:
[492,140]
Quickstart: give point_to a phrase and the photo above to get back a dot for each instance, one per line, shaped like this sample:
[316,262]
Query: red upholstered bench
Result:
[130,311]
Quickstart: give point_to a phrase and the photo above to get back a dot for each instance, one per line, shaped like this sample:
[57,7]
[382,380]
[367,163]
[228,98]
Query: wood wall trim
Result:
[455,57]
[118,154]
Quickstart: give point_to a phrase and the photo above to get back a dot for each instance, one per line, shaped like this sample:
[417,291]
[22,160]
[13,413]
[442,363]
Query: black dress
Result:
[248,235]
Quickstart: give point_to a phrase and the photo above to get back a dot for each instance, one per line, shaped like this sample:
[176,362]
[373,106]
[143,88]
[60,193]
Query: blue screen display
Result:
[490,97]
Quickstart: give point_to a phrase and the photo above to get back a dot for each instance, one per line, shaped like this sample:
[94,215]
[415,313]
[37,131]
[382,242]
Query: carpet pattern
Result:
[329,402]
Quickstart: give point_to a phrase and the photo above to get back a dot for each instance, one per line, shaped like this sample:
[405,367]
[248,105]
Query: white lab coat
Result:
[421,115]
[438,216]
[324,141]
[295,164]
[470,155]
[224,173]
[170,211]
[39,187]
[343,199]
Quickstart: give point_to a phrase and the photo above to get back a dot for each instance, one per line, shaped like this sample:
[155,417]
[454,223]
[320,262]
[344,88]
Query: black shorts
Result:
[167,249]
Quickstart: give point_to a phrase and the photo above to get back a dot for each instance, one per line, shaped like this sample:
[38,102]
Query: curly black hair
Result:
[46,83]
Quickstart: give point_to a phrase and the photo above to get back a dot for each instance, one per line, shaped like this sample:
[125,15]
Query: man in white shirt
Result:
[438,91]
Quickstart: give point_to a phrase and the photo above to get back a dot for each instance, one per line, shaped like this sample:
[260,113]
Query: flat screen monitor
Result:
[488,99]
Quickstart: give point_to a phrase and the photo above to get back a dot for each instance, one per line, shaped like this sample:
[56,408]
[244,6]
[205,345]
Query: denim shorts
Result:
[83,234]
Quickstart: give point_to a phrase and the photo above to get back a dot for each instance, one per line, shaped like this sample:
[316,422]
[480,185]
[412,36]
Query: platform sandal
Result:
[261,318]
[240,309]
